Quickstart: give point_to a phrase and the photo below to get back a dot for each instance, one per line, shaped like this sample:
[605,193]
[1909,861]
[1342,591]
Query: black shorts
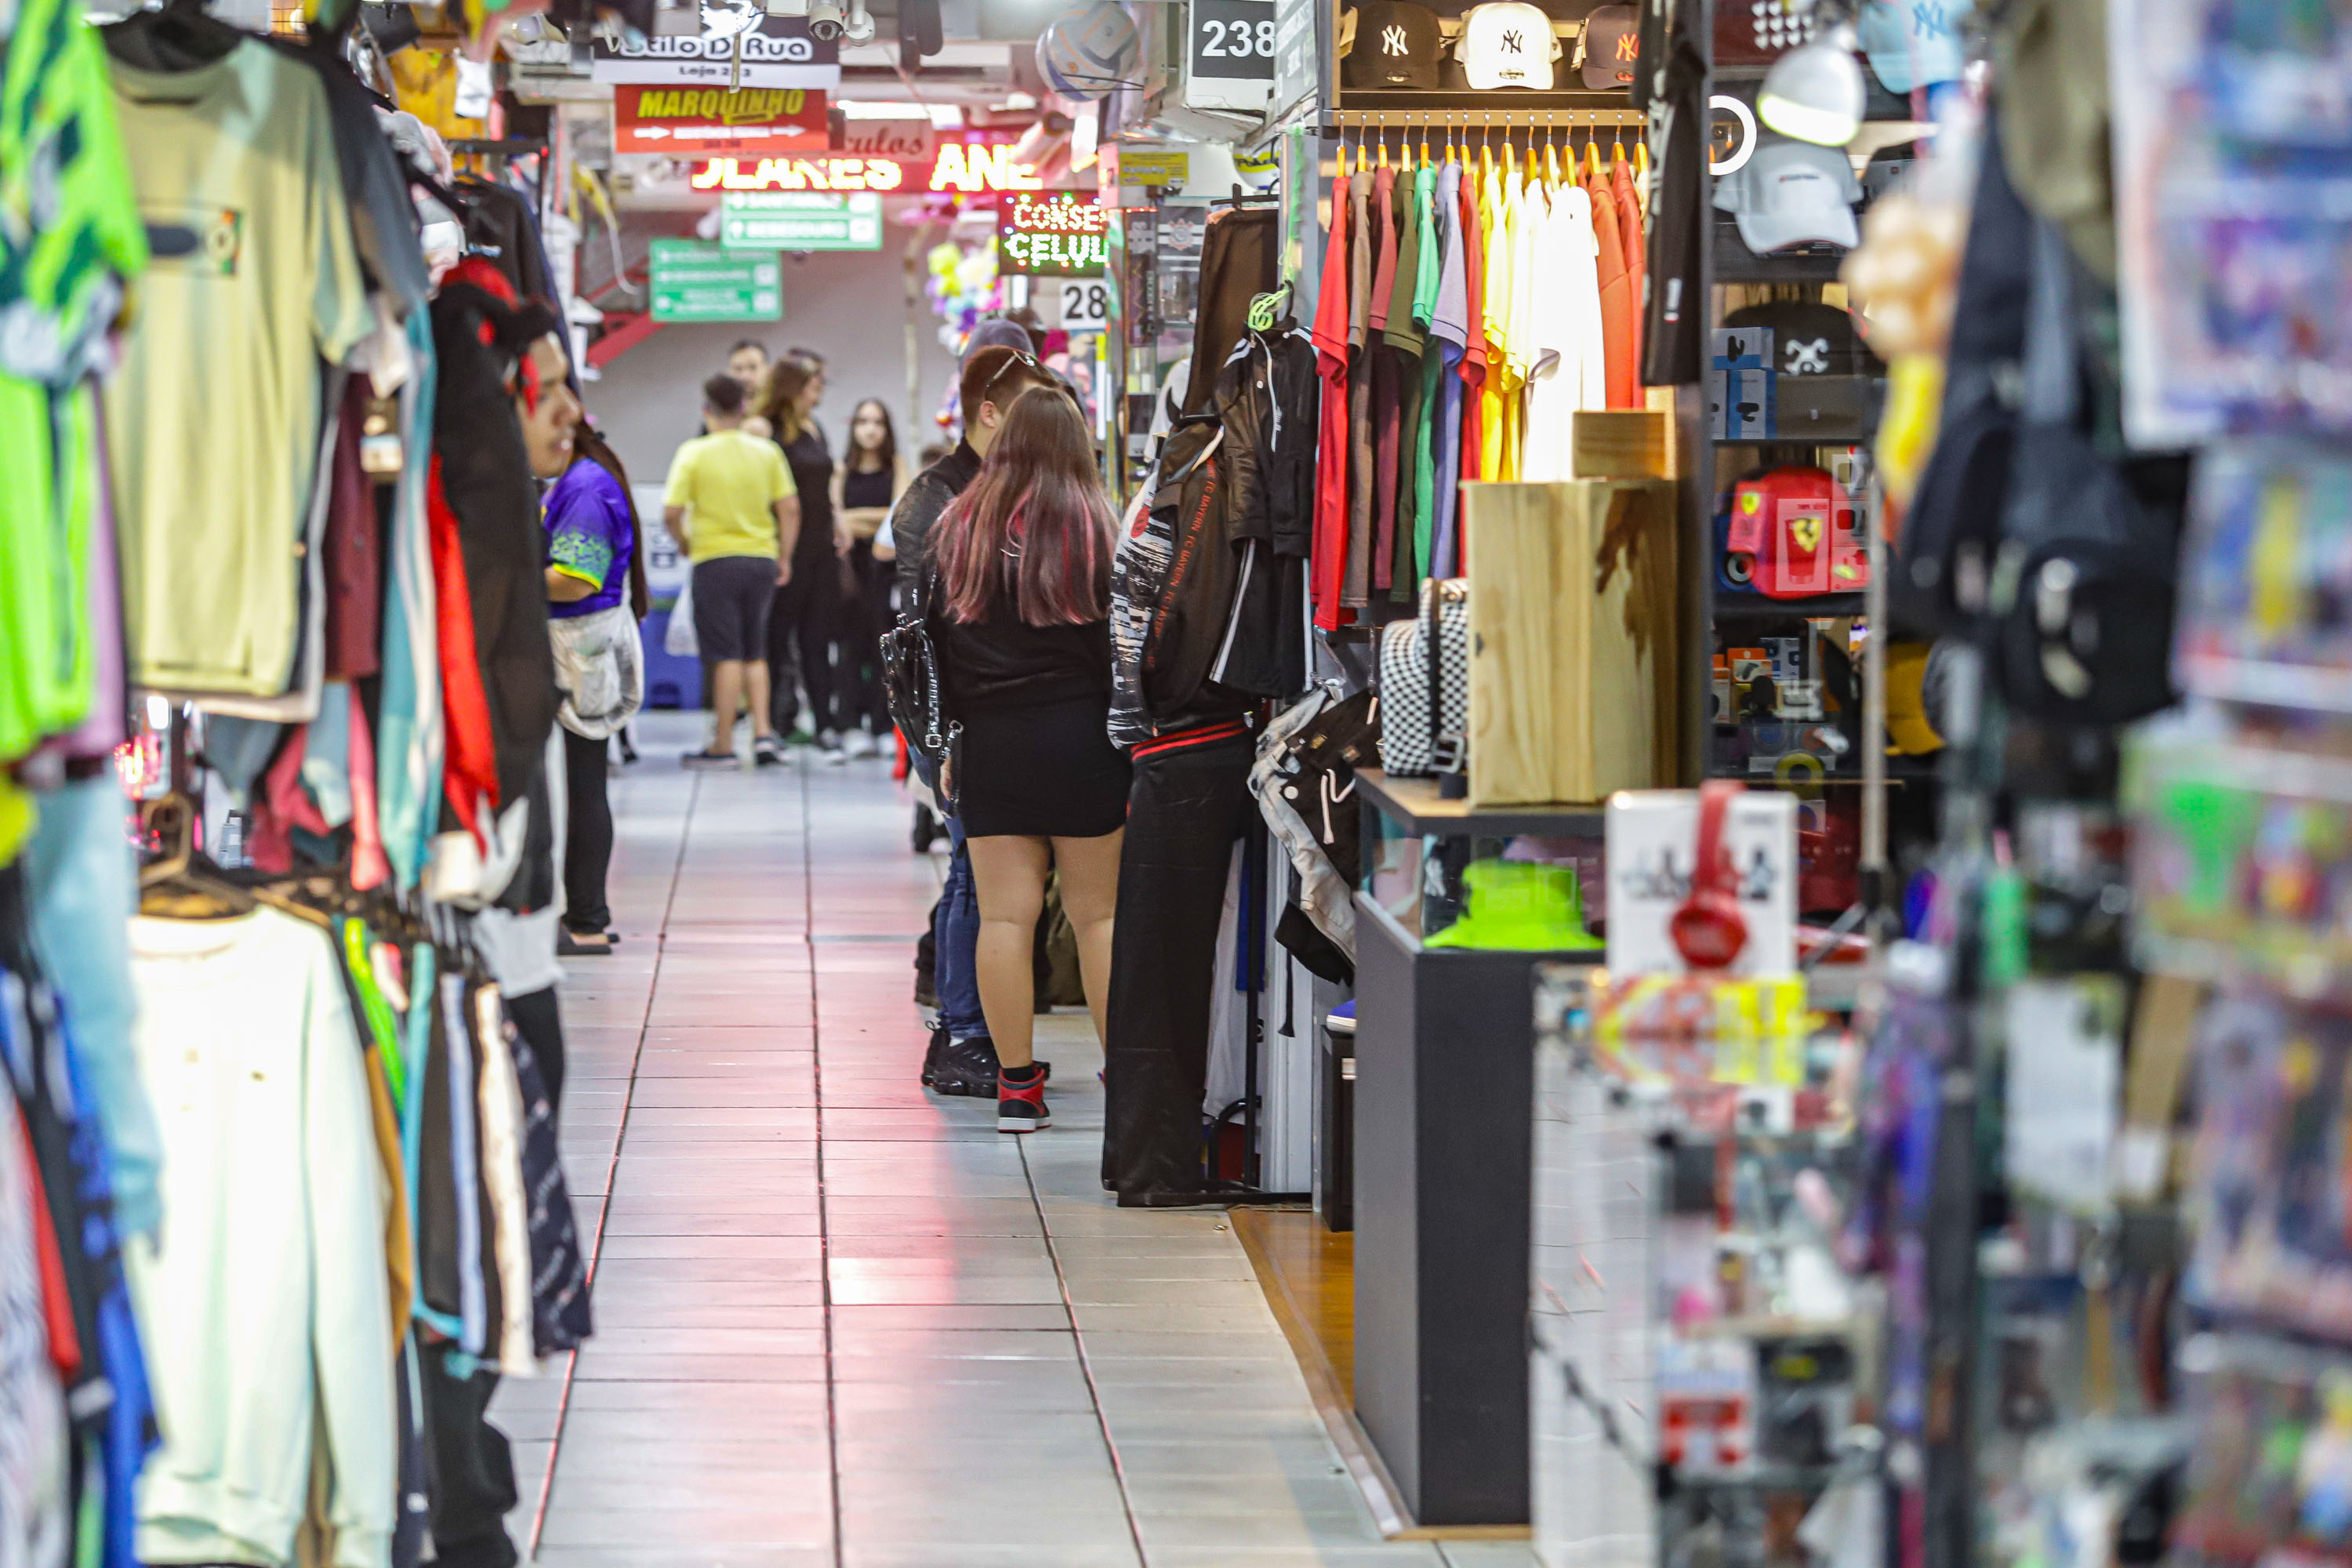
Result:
[731,595]
[1045,770]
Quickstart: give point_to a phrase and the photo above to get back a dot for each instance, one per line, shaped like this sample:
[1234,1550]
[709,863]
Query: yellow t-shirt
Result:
[213,416]
[729,484]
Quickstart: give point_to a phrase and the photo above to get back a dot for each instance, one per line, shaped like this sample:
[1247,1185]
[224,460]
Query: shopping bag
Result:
[680,643]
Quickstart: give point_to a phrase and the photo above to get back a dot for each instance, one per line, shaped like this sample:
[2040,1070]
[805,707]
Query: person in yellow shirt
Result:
[731,505]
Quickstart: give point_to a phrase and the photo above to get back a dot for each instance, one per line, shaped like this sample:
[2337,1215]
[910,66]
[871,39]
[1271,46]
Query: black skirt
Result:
[1044,771]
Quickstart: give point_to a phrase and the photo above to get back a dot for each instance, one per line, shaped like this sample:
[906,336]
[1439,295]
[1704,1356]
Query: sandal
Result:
[570,943]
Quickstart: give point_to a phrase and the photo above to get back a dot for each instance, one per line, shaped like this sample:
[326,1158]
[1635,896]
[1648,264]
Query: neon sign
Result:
[957,167]
[1053,238]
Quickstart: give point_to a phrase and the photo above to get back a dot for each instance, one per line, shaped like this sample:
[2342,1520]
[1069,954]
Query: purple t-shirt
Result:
[589,536]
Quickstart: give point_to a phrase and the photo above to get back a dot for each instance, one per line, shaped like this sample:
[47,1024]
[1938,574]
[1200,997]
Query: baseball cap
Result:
[1397,45]
[1810,338]
[1608,48]
[1792,193]
[1910,45]
[1508,43]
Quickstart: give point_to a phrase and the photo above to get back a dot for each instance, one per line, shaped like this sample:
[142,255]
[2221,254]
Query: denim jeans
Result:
[955,937]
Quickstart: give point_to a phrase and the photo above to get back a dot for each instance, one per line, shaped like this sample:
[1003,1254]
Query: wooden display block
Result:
[1621,444]
[1574,638]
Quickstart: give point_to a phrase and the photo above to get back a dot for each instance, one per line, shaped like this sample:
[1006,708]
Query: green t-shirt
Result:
[1430,264]
[214,416]
[729,484]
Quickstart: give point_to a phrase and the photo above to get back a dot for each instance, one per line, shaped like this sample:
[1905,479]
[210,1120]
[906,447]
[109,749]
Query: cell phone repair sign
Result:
[713,121]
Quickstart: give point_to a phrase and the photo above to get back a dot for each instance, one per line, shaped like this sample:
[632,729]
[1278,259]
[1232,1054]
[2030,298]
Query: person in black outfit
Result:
[1017,600]
[807,610]
[864,488]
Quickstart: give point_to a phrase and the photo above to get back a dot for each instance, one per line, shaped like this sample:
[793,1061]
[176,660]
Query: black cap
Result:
[1397,44]
[1610,46]
[1810,338]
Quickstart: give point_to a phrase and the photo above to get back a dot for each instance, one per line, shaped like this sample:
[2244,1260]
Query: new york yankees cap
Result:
[1397,45]
[1609,47]
[1508,43]
[1810,338]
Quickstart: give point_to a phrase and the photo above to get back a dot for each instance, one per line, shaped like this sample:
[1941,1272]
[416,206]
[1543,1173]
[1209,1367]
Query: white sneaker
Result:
[862,744]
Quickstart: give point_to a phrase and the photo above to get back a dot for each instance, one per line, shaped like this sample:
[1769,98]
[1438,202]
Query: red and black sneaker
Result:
[1021,1100]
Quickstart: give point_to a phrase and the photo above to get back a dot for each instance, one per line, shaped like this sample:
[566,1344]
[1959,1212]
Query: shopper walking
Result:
[595,589]
[1018,602]
[865,486]
[962,1058]
[807,614]
[730,502]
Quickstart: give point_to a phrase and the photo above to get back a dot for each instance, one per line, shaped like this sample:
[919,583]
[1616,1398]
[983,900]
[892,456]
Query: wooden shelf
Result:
[1503,103]
[1415,804]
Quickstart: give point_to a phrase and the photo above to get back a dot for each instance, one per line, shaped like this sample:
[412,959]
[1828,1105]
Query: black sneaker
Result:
[767,751]
[939,1047]
[710,760]
[967,1068]
[1020,1100]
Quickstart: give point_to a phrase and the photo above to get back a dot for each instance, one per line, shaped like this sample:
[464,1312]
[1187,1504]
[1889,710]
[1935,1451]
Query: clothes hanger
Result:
[183,884]
[1425,142]
[178,36]
[1551,155]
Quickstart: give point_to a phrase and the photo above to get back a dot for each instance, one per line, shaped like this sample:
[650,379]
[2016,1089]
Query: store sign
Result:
[800,220]
[1085,305]
[1044,239]
[1295,57]
[1234,39]
[917,141]
[958,167]
[693,282]
[699,122]
[741,45]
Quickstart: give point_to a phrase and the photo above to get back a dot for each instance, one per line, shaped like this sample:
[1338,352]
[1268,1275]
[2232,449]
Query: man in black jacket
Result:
[962,1058]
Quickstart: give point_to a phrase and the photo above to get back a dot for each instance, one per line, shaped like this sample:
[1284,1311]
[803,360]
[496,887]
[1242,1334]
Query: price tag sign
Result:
[1085,305]
[1233,40]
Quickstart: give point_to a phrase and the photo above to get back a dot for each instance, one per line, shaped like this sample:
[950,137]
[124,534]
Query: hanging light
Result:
[1815,92]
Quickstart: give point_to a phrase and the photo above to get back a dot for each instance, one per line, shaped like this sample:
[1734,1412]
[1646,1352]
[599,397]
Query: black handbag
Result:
[910,685]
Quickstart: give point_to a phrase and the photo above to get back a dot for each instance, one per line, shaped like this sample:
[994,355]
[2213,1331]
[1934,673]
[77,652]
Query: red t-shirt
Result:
[1618,308]
[1629,233]
[1329,564]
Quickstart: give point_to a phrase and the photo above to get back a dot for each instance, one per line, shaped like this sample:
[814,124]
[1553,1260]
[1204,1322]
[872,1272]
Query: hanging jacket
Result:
[1269,397]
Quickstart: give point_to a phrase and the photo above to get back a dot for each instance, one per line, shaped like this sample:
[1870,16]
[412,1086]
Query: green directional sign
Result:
[693,282]
[801,220]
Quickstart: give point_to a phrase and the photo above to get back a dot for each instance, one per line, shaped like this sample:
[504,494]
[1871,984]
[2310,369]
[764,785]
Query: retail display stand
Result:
[1443,1056]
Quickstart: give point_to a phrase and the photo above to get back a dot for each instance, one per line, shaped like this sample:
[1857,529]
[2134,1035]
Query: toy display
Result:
[1792,534]
[2266,578]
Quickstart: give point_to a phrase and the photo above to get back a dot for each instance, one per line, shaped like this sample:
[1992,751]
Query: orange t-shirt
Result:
[1619,309]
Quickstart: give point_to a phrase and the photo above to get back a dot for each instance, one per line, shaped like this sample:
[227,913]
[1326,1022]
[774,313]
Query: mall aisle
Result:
[842,1322]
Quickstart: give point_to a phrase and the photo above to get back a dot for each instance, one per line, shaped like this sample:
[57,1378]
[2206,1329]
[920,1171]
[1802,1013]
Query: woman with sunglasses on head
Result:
[1017,597]
[864,487]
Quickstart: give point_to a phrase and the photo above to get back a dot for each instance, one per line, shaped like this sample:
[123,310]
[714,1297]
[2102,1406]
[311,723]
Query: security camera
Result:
[859,29]
[826,21]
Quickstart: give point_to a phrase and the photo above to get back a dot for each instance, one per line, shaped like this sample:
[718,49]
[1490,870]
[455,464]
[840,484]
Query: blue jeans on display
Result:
[955,937]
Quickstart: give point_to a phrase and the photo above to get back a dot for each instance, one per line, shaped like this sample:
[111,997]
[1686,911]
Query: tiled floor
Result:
[842,1323]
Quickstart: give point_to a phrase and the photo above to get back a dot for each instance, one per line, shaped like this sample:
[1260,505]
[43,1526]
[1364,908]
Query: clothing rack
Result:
[1475,119]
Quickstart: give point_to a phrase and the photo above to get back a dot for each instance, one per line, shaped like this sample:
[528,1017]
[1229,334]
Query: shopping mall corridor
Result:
[842,1322]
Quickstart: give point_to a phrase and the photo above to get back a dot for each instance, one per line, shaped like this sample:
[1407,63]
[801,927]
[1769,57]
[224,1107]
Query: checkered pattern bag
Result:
[1415,741]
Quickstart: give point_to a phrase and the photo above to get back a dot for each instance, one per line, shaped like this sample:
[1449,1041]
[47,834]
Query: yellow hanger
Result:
[1384,149]
[1592,158]
[1552,156]
[1642,164]
[1424,139]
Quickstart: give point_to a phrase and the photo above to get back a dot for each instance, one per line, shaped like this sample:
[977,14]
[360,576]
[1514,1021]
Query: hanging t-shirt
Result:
[1629,235]
[1474,357]
[1571,372]
[252,283]
[1616,307]
[1363,250]
[1433,366]
[1332,474]
[1502,382]
[1449,331]
[589,536]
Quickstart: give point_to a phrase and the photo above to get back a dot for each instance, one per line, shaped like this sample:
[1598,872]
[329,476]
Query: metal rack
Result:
[1532,119]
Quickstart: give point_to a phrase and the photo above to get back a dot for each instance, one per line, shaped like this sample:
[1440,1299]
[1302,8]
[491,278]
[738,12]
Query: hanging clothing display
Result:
[1469,305]
[288,504]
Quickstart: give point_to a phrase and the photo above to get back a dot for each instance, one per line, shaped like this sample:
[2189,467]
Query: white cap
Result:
[1792,193]
[1508,43]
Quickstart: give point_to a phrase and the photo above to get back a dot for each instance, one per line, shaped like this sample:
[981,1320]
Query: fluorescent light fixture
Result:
[1815,92]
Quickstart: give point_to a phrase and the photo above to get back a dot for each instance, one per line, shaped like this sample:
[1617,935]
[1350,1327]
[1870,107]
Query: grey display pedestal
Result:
[1445,1077]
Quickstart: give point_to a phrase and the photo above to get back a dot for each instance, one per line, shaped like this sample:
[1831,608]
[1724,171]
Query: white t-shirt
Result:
[1572,367]
[520,949]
